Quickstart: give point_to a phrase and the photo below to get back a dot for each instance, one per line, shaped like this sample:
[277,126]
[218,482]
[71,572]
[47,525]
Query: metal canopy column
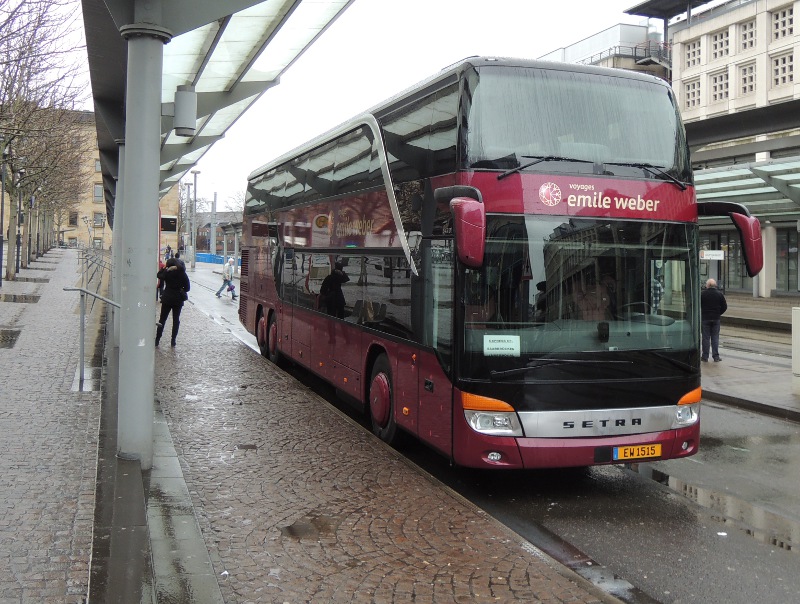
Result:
[117,247]
[140,239]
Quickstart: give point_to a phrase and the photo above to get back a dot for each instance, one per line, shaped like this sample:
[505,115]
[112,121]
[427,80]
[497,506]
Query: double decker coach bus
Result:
[516,247]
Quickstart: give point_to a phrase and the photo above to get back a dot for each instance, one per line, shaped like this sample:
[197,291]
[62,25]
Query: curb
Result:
[735,401]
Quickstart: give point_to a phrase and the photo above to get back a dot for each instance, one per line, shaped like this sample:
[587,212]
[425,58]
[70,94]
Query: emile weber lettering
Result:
[354,227]
[596,199]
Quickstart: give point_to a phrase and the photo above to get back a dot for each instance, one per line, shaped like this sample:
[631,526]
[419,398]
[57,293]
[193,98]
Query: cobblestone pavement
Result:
[48,439]
[296,503]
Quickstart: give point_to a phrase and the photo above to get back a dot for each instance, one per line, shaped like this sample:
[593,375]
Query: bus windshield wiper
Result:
[651,168]
[539,159]
[544,362]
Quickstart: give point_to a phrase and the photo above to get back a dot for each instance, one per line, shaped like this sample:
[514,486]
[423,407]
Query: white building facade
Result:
[733,76]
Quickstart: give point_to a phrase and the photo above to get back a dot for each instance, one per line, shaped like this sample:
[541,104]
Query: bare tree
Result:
[40,92]
[235,203]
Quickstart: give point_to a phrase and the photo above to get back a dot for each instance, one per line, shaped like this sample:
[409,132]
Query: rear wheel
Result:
[273,354]
[261,334]
[381,401]
[267,338]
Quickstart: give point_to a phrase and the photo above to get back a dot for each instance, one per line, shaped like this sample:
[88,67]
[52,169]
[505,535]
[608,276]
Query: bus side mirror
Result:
[750,232]
[469,223]
[748,226]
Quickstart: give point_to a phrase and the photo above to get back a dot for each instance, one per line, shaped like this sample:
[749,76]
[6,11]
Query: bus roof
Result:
[452,72]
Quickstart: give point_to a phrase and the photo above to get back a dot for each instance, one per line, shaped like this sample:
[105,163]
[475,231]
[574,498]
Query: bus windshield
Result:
[567,288]
[520,114]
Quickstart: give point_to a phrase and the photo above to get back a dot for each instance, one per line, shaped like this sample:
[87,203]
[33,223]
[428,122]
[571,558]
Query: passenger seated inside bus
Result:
[593,303]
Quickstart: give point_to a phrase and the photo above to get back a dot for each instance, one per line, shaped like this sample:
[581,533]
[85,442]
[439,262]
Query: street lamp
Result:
[187,242]
[194,221]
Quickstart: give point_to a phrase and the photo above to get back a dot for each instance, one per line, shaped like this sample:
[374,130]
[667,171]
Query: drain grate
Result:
[8,337]
[33,279]
[24,298]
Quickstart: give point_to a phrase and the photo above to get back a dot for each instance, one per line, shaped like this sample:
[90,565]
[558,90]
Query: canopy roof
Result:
[664,9]
[231,52]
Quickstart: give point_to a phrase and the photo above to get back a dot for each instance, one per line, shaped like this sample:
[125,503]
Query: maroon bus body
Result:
[341,353]
[427,401]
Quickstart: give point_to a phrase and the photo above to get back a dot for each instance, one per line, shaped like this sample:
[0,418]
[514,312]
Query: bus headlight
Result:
[496,423]
[686,415]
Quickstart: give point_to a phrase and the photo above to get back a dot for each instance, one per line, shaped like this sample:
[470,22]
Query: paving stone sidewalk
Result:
[296,503]
[48,439]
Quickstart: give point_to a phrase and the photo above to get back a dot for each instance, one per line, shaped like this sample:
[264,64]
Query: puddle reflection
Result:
[761,524]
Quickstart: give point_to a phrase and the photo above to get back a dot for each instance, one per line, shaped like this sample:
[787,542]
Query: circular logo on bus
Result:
[550,194]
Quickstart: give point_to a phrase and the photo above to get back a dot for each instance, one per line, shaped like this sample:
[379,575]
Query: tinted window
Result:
[420,138]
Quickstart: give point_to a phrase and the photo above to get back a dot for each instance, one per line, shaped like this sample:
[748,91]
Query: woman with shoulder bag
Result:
[176,286]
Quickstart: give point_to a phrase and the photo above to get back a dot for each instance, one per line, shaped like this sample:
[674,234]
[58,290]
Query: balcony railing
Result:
[657,51]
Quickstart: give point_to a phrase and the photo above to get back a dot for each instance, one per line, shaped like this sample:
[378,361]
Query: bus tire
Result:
[381,401]
[273,354]
[261,333]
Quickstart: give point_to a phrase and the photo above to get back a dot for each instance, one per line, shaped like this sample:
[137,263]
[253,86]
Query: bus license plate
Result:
[637,452]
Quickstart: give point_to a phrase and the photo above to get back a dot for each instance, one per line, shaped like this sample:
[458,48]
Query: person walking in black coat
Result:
[712,306]
[176,288]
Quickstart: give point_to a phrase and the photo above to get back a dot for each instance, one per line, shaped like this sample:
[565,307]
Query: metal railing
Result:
[655,50]
[84,293]
[92,261]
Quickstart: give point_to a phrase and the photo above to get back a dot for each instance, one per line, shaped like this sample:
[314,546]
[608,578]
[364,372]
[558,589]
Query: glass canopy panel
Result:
[300,29]
[705,175]
[743,192]
[183,57]
[222,119]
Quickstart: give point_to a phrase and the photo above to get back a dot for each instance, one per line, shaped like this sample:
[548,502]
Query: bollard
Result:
[82,336]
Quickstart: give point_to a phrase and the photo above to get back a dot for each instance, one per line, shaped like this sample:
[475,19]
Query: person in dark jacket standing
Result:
[176,287]
[331,293]
[712,306]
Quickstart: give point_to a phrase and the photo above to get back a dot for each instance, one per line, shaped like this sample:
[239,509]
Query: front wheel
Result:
[381,401]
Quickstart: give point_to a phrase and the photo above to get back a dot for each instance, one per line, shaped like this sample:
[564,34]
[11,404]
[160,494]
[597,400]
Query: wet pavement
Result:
[260,491]
[48,437]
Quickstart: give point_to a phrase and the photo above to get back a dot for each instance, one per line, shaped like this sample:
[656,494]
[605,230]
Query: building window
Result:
[782,23]
[99,219]
[719,44]
[73,219]
[693,53]
[782,70]
[747,78]
[786,260]
[719,86]
[97,166]
[692,93]
[97,243]
[98,193]
[747,35]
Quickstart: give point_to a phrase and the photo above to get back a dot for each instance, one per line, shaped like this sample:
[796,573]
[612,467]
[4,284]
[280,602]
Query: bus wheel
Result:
[381,405]
[261,334]
[273,354]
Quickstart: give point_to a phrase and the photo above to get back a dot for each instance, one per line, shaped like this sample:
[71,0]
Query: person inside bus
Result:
[593,303]
[330,292]
[176,287]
